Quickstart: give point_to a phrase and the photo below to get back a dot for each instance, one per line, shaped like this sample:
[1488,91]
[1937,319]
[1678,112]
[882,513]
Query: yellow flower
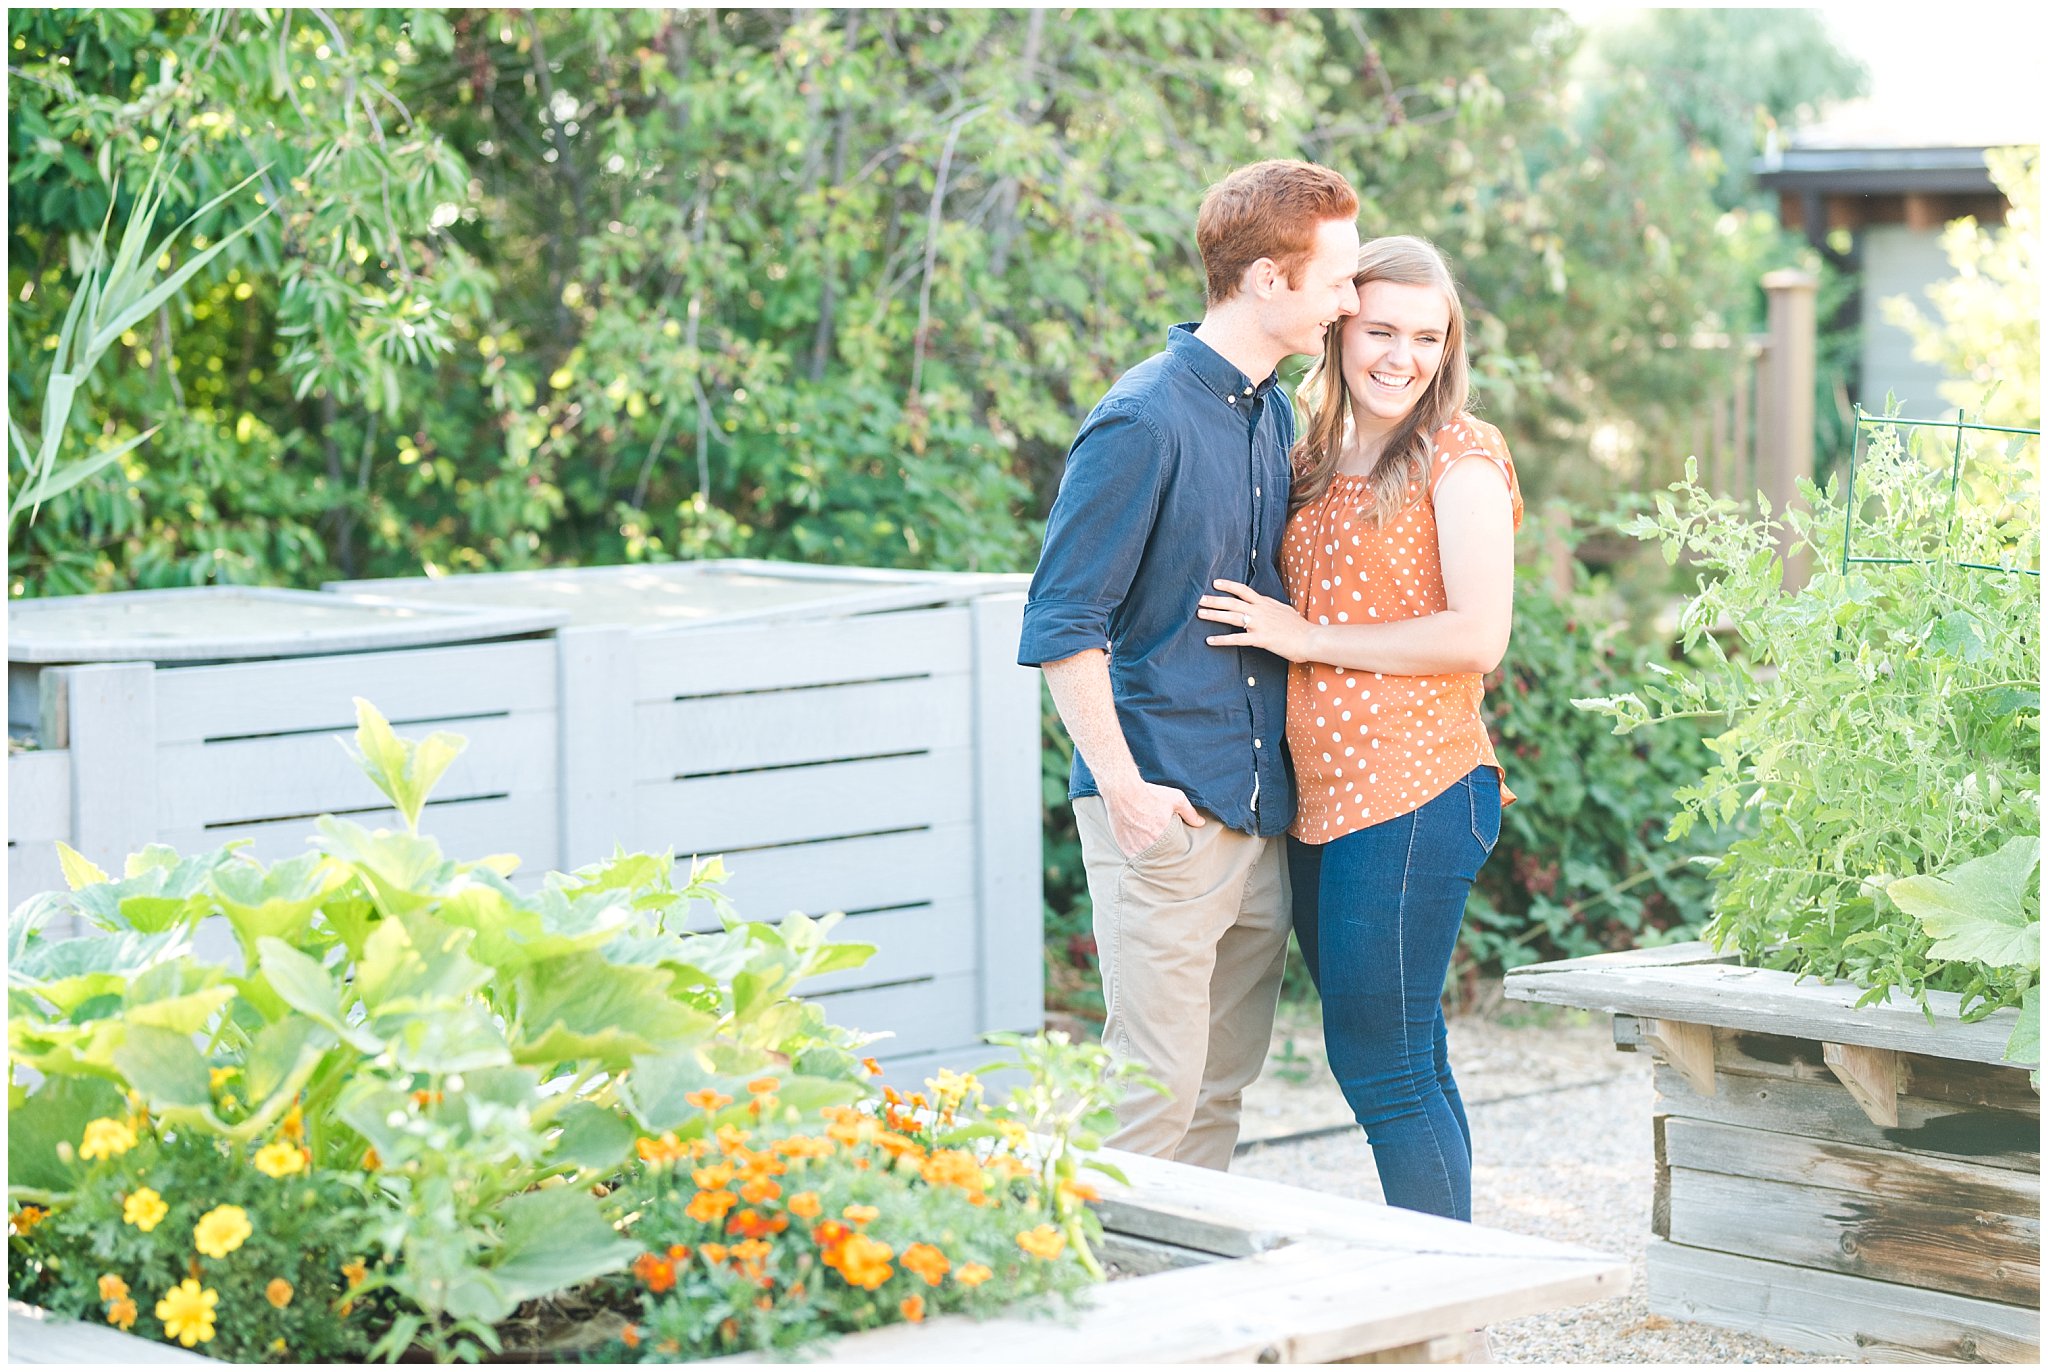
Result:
[121,1313]
[27,1218]
[280,1159]
[187,1312]
[1042,1242]
[972,1275]
[144,1209]
[112,1288]
[293,1126]
[220,1231]
[107,1138]
[217,1077]
[356,1272]
[278,1293]
[1014,1134]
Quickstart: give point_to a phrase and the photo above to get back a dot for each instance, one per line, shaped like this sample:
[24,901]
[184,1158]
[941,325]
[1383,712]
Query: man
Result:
[1180,476]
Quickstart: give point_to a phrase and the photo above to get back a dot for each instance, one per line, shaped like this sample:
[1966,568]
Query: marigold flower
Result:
[1079,1191]
[423,1098]
[630,1336]
[750,1224]
[278,1293]
[112,1288]
[912,1308]
[752,1250]
[898,1146]
[217,1077]
[972,1275]
[954,1167]
[277,1345]
[371,1161]
[107,1138]
[293,1125]
[927,1262]
[121,1313]
[712,1253]
[892,1095]
[1042,1242]
[27,1218]
[805,1205]
[760,1191]
[355,1273]
[761,1086]
[862,1261]
[657,1273]
[829,1233]
[144,1209]
[732,1138]
[187,1312]
[712,1178]
[280,1159]
[861,1214]
[679,1252]
[220,1231]
[708,1100]
[709,1207]
[1014,1134]
[874,1068]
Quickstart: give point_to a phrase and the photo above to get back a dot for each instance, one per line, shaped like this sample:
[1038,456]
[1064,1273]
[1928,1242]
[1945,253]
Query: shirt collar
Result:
[1214,371]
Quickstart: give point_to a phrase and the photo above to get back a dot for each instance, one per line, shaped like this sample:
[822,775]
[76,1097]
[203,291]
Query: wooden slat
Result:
[111,710]
[309,774]
[1127,1256]
[594,678]
[39,796]
[753,809]
[775,728]
[293,694]
[1767,1002]
[1309,1302]
[1836,1315]
[919,1015]
[1823,1110]
[1832,1165]
[1008,820]
[933,941]
[466,830]
[2002,1087]
[32,868]
[867,648]
[1939,1247]
[851,874]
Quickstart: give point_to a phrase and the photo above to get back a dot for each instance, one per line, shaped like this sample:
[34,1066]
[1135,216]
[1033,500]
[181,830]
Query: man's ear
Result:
[1262,278]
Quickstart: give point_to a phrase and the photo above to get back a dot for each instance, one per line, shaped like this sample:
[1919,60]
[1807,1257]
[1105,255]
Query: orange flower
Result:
[29,1216]
[912,1308]
[803,1146]
[630,1336]
[655,1272]
[293,1126]
[927,1262]
[714,1177]
[760,1192]
[862,1261]
[749,1224]
[112,1288]
[805,1205]
[371,1162]
[679,1252]
[712,1253]
[422,1099]
[751,1250]
[892,1095]
[861,1214]
[657,1152]
[121,1313]
[954,1167]
[1079,1191]
[356,1272]
[829,1233]
[897,1146]
[1042,1242]
[731,1138]
[709,1207]
[874,1068]
[278,1293]
[972,1275]
[761,1086]
[708,1100]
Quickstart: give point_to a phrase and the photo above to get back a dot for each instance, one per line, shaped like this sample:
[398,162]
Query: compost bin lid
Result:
[671,596]
[235,623]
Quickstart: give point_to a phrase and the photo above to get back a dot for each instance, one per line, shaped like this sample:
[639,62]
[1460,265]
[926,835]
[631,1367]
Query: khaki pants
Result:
[1192,937]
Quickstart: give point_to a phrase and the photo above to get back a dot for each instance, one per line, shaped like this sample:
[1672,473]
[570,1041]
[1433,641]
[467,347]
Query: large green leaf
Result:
[278,902]
[306,986]
[281,1056]
[593,1136]
[512,934]
[402,871]
[2025,1043]
[166,1068]
[1977,912]
[414,963]
[553,1240]
[583,1006]
[71,971]
[57,1112]
[456,1038]
[403,769]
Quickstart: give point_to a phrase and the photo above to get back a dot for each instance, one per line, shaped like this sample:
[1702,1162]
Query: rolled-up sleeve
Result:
[1095,538]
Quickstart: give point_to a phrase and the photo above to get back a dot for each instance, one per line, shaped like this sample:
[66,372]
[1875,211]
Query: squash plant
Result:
[1879,726]
[396,1107]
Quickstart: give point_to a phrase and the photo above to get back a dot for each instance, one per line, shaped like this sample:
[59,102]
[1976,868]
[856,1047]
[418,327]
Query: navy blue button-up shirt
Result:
[1179,476]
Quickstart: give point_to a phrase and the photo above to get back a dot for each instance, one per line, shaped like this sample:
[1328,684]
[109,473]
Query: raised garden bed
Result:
[1863,1183]
[1215,1268]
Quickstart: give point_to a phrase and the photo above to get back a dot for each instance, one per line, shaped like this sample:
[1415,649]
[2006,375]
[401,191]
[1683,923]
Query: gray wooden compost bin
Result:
[197,716]
[1856,1181]
[849,739]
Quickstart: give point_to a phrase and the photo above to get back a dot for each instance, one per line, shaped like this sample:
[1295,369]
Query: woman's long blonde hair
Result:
[1404,463]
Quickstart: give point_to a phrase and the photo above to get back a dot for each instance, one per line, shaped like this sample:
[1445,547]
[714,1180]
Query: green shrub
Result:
[1879,727]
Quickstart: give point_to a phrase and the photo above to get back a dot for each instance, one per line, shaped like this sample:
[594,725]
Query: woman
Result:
[1399,558]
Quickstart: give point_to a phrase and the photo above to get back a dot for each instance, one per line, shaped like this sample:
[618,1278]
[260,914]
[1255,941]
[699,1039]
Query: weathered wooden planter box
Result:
[1219,1269]
[1863,1183]
[852,739]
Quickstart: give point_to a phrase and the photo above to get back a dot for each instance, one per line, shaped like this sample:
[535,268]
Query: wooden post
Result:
[595,676]
[1687,1047]
[106,715]
[1010,879]
[1787,402]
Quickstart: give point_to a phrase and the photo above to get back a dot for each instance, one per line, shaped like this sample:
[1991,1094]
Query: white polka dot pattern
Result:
[1367,746]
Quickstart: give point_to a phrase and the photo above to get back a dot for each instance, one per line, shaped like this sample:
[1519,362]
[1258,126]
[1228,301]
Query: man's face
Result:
[1299,316]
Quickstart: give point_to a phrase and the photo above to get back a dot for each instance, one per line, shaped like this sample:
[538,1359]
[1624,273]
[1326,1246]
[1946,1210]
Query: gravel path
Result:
[1561,1137]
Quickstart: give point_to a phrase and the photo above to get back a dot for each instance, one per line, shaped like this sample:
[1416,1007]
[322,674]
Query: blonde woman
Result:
[1399,560]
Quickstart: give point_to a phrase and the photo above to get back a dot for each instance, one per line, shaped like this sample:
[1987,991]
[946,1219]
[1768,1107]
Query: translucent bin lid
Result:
[232,623]
[669,596]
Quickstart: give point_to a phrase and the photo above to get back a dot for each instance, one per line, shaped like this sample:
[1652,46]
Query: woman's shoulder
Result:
[1467,435]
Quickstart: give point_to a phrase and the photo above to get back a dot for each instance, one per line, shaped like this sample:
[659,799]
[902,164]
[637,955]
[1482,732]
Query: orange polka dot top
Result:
[1369,746]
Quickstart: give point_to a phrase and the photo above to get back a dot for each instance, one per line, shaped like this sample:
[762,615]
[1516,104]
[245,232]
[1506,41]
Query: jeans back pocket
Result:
[1482,786]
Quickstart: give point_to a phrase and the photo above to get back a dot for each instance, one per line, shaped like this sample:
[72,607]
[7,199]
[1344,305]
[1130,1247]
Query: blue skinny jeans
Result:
[1377,913]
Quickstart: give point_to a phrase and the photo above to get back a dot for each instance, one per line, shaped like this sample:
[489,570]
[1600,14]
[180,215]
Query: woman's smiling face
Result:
[1393,347]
